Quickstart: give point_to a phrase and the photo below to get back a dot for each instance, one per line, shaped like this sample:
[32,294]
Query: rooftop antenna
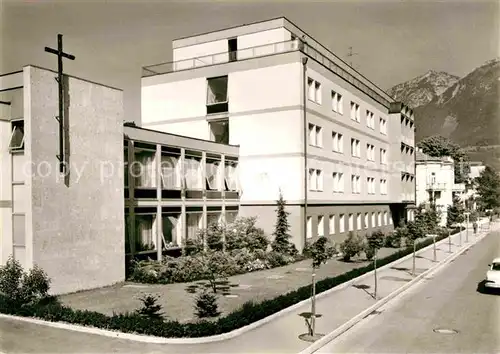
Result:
[350,55]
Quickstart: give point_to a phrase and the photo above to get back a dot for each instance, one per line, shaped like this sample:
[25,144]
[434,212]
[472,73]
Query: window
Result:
[194,223]
[144,168]
[17,136]
[366,220]
[219,131]
[321,225]
[213,174]
[342,223]
[351,222]
[192,172]
[379,218]
[355,184]
[18,230]
[358,221]
[370,152]
[309,227]
[231,216]
[337,103]
[331,224]
[315,135]
[390,219]
[383,156]
[385,218]
[171,227]
[232,48]
[383,186]
[355,115]
[374,221]
[314,90]
[217,100]
[370,120]
[338,182]
[383,126]
[315,180]
[338,142]
[355,148]
[170,171]
[230,175]
[370,183]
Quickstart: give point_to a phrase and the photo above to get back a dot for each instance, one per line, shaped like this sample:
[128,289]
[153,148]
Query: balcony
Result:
[331,62]
[434,186]
[458,187]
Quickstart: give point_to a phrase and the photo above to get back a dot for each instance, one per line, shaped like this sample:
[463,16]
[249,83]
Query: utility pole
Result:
[350,55]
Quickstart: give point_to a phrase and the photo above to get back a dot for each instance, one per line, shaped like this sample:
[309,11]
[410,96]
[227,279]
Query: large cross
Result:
[60,55]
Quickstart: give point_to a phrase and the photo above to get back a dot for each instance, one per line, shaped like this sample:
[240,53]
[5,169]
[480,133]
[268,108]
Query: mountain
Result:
[423,89]
[464,110]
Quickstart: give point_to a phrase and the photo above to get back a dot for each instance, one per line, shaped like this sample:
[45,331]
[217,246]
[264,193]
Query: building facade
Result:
[436,185]
[71,224]
[339,148]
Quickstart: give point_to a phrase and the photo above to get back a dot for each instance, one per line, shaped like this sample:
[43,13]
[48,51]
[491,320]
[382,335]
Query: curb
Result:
[356,319]
[219,337]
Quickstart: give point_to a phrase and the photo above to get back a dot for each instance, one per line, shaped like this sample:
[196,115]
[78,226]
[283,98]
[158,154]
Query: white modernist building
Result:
[436,182]
[338,147]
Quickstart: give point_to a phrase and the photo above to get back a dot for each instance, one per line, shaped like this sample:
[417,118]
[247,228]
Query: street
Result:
[449,300]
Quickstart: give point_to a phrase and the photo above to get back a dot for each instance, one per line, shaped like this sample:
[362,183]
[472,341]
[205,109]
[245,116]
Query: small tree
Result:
[150,309]
[206,305]
[488,188]
[416,230]
[321,251]
[214,267]
[455,212]
[281,242]
[374,242]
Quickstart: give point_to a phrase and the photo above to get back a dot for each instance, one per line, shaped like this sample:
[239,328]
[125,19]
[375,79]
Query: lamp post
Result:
[449,240]
[434,246]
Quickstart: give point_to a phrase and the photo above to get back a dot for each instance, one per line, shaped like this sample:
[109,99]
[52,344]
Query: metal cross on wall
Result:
[60,118]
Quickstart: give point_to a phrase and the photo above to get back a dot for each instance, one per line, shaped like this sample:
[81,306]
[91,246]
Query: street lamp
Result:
[467,226]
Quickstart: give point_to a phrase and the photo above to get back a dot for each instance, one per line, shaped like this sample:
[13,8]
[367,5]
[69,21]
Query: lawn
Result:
[178,303]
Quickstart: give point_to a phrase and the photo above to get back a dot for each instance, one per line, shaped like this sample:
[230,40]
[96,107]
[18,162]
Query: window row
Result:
[314,94]
[316,183]
[327,225]
[177,173]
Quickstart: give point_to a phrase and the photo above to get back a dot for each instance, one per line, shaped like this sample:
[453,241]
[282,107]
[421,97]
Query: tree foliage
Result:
[488,188]
[281,242]
[455,212]
[439,146]
[321,251]
[150,309]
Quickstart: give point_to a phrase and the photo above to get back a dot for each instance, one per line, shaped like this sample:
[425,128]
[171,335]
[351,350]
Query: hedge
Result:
[248,313]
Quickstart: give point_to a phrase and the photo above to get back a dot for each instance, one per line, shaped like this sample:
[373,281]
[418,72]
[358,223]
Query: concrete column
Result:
[5,192]
[159,220]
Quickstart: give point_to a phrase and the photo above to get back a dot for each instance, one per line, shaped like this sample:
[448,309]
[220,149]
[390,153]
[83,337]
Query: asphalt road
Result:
[450,299]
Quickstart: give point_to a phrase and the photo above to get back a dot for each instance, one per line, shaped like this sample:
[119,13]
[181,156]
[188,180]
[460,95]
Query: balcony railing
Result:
[335,65]
[436,186]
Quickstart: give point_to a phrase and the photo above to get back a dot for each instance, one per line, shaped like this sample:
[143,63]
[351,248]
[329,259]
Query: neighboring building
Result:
[336,145]
[436,183]
[471,194]
[475,169]
[175,186]
[71,225]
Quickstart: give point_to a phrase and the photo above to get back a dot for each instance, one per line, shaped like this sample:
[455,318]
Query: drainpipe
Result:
[306,172]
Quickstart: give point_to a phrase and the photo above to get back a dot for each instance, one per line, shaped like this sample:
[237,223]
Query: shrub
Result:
[321,251]
[396,238]
[206,305]
[243,233]
[213,235]
[150,309]
[277,259]
[351,246]
[21,288]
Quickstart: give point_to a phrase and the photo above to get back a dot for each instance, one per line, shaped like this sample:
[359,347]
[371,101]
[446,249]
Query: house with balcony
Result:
[435,183]
[306,123]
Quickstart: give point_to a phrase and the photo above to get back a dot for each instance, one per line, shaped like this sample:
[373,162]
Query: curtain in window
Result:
[144,169]
[193,225]
[146,232]
[213,218]
[192,173]
[171,227]
[170,172]
[231,216]
[231,177]
[213,174]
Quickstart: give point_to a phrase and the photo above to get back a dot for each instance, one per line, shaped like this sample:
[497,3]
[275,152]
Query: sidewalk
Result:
[337,306]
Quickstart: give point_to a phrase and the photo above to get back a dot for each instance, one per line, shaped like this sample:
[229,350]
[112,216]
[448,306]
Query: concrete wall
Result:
[77,223]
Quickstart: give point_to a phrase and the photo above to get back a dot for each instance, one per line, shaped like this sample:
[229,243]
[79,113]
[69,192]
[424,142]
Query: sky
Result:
[394,40]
